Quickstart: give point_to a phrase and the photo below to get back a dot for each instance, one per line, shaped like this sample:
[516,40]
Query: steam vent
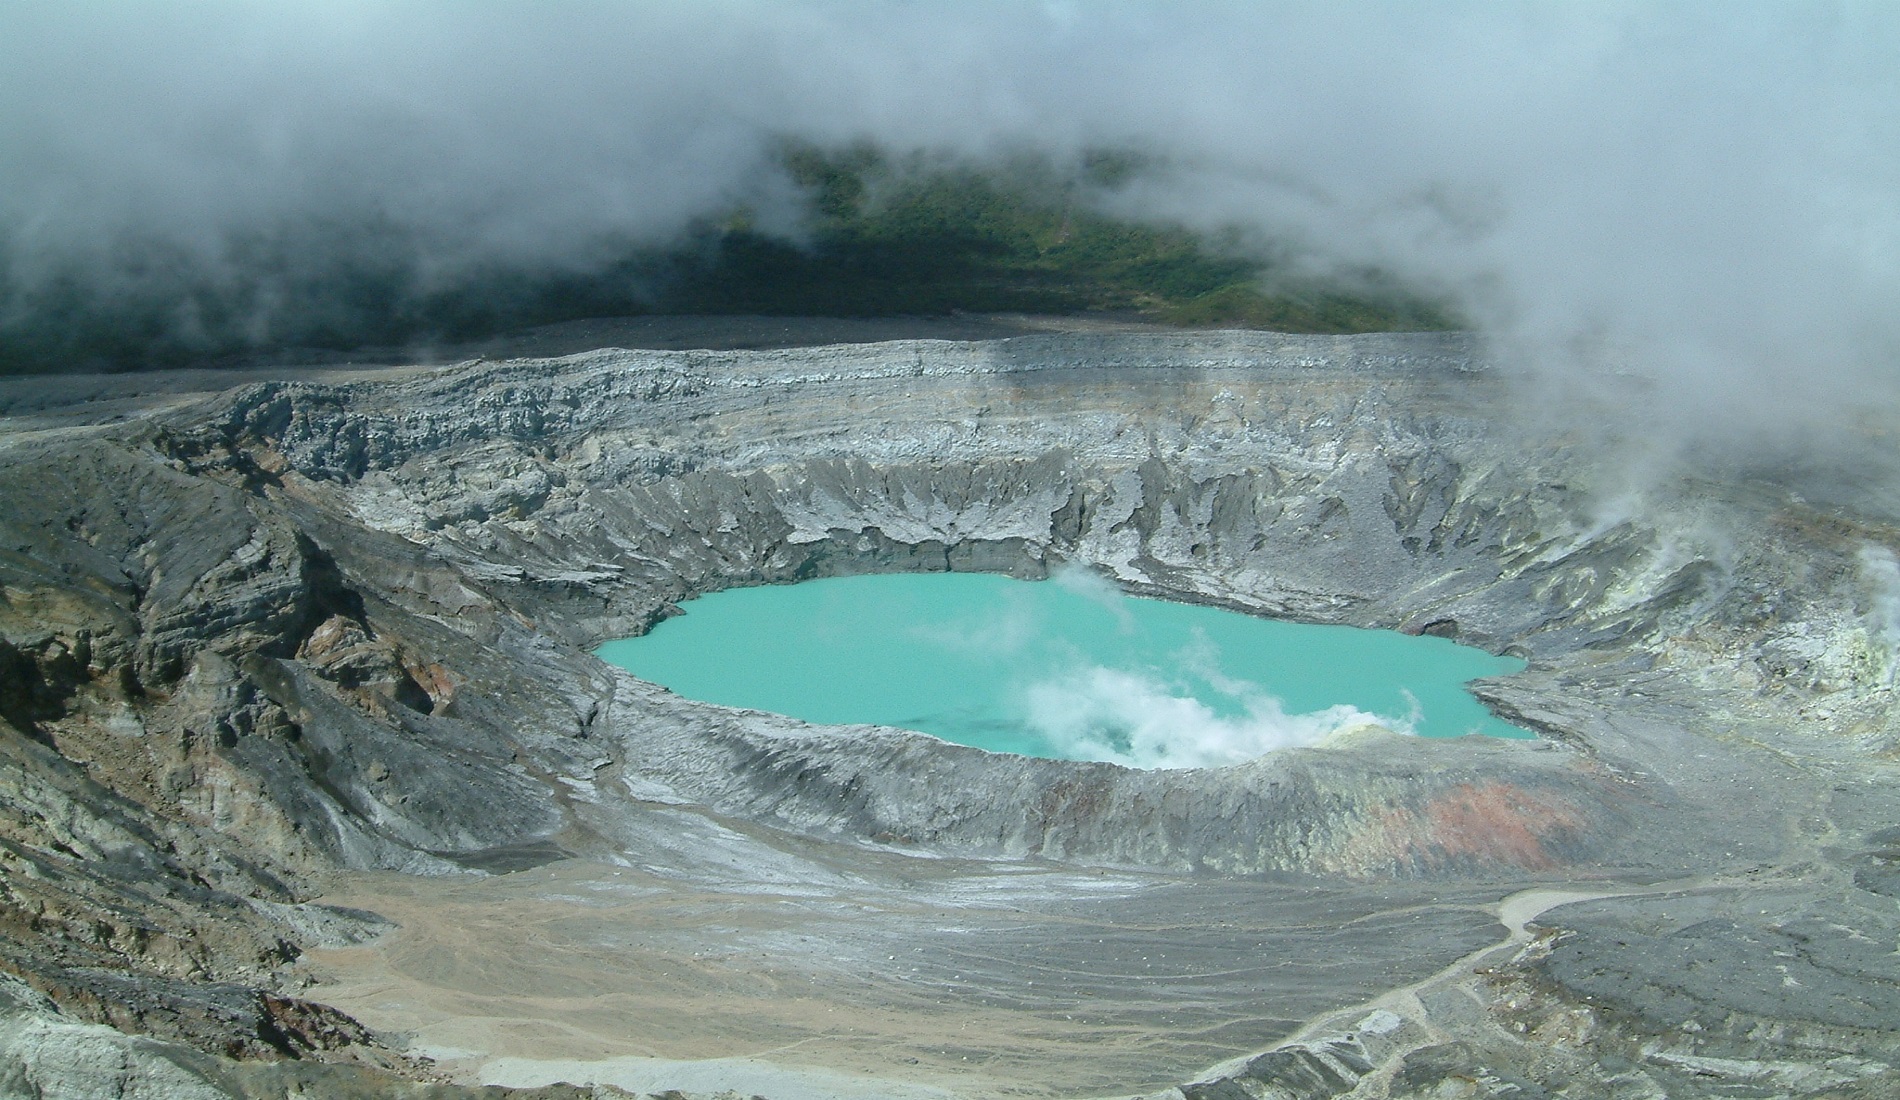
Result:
[312,786]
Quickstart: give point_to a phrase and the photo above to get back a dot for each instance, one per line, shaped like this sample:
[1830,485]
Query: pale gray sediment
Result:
[343,621]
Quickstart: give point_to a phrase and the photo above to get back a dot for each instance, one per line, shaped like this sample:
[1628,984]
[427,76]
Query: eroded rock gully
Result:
[253,640]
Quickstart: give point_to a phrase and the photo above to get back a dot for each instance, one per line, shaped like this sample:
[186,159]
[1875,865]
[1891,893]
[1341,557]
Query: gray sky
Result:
[1708,194]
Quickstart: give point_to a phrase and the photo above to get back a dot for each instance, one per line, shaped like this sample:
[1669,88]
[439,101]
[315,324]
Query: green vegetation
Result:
[923,236]
[880,236]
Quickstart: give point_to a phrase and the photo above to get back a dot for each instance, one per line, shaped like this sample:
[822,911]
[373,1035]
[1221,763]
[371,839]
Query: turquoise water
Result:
[1067,668]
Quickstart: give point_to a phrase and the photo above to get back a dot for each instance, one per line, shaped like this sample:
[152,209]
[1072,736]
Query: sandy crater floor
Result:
[904,975]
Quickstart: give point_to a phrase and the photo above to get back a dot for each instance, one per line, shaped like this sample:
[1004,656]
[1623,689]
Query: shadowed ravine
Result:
[281,656]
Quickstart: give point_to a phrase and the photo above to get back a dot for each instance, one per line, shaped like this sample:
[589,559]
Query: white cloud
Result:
[1699,192]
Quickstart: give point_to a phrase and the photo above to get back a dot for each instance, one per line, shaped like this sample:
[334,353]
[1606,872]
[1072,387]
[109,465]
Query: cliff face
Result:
[344,622]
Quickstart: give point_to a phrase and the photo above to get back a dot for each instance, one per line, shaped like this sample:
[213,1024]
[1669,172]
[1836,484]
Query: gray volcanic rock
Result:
[344,623]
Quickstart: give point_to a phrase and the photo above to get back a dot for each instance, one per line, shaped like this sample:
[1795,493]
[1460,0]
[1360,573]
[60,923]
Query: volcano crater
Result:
[330,636]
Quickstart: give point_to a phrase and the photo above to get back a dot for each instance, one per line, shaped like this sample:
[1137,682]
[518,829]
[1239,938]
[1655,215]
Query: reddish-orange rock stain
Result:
[1483,822]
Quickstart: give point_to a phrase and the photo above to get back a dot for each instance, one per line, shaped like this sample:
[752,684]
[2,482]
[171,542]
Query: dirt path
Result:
[1515,912]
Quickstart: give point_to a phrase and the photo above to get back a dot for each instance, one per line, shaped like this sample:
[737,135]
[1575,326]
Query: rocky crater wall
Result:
[357,583]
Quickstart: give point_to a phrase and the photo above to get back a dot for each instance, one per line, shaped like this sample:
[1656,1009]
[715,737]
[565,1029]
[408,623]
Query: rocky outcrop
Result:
[345,623]
[46,1053]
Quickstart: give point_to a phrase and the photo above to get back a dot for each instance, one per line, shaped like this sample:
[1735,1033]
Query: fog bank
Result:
[1696,195]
